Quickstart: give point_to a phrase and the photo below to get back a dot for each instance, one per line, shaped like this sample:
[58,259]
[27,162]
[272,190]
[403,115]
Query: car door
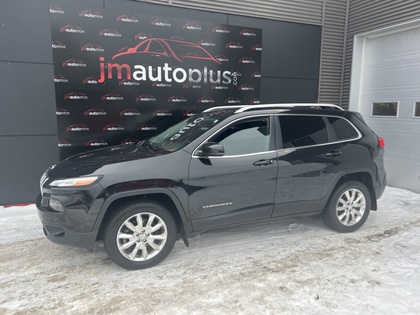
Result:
[310,164]
[240,185]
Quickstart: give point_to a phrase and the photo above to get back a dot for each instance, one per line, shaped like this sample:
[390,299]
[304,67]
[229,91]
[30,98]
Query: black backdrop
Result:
[121,76]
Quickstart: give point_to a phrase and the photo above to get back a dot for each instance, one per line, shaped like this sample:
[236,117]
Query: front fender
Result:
[186,224]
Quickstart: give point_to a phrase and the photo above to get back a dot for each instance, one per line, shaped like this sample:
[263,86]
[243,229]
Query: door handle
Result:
[334,153]
[263,162]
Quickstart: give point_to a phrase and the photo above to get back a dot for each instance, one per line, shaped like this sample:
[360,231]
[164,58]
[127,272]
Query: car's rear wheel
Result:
[140,235]
[348,207]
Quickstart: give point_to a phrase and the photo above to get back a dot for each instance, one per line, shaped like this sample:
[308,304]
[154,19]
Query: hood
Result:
[88,162]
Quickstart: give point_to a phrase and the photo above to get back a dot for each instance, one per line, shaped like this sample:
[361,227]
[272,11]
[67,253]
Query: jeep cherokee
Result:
[224,166]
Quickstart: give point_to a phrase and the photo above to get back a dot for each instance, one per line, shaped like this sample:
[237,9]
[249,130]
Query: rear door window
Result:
[301,131]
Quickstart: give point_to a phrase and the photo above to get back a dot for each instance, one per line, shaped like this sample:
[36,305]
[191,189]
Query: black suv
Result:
[224,166]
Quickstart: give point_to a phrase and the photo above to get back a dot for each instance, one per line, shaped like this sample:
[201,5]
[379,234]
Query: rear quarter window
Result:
[343,129]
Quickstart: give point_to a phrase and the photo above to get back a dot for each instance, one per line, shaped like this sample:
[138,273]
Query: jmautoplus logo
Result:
[220,29]
[72,29]
[63,143]
[177,99]
[247,32]
[146,127]
[145,98]
[90,80]
[92,47]
[162,113]
[73,63]
[62,112]
[110,33]
[129,141]
[96,143]
[127,18]
[77,128]
[192,26]
[91,14]
[56,44]
[205,100]
[75,96]
[128,83]
[130,112]
[58,78]
[113,127]
[143,36]
[112,97]
[161,22]
[234,45]
[55,9]
[164,75]
[95,112]
[207,43]
[255,101]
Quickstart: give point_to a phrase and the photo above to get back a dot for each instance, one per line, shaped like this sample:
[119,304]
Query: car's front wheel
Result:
[140,235]
[348,207]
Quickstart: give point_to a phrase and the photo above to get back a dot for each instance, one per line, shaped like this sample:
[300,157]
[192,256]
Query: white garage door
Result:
[390,94]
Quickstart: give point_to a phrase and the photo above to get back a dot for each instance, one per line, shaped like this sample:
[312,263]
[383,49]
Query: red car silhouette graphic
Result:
[168,48]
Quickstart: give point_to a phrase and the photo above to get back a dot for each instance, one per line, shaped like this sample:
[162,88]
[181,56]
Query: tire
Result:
[348,207]
[140,235]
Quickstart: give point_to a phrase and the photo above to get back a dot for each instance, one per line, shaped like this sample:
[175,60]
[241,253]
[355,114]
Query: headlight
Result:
[74,182]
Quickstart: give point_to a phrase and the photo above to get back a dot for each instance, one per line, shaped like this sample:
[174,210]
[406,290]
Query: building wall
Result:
[367,16]
[28,128]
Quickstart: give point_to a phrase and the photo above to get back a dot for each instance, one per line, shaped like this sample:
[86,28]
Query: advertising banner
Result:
[121,77]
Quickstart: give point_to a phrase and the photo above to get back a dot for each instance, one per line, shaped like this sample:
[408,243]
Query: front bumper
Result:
[61,235]
[73,226]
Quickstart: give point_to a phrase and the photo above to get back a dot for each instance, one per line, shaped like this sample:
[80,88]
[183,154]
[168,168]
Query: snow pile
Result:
[294,266]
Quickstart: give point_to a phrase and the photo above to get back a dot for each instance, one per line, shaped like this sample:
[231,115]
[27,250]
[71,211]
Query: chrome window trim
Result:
[281,149]
[327,143]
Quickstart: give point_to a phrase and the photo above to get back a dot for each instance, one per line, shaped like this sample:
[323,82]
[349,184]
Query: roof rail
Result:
[223,107]
[244,108]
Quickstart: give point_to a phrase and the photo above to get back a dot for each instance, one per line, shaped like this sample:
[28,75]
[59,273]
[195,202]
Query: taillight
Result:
[381,143]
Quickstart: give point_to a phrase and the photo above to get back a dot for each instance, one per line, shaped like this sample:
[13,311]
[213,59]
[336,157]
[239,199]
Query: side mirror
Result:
[212,149]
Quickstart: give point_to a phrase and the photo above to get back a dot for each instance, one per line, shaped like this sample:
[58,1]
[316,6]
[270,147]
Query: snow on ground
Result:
[295,266]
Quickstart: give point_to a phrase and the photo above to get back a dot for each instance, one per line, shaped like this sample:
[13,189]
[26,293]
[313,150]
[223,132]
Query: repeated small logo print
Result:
[91,14]
[76,29]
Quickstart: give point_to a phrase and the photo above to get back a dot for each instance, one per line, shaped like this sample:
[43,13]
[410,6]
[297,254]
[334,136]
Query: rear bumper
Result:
[380,188]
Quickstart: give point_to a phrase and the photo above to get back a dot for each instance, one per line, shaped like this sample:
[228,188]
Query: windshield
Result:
[181,134]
